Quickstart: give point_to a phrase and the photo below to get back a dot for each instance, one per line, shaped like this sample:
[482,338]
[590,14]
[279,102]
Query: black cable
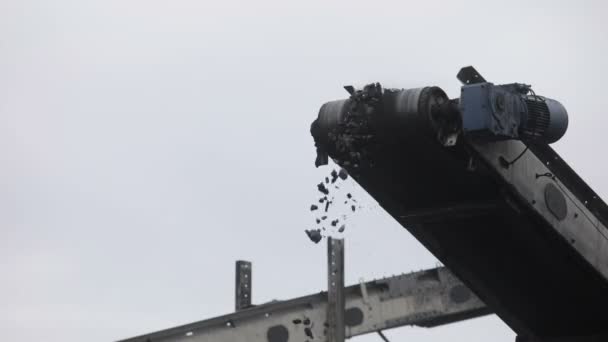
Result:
[504,163]
[382,335]
[519,156]
[546,174]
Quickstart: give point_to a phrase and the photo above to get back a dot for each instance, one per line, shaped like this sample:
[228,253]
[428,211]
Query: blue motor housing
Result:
[511,111]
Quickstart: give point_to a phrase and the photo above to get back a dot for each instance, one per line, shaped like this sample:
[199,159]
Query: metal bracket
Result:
[242,285]
[468,75]
[335,290]
[364,296]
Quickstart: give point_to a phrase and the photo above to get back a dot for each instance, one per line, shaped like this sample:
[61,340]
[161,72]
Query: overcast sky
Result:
[146,145]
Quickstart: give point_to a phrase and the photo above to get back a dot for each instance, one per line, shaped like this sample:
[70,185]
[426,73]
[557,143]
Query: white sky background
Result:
[146,145]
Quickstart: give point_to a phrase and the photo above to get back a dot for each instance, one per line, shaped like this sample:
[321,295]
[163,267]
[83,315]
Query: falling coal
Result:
[322,188]
[314,235]
[327,201]
[308,333]
[334,176]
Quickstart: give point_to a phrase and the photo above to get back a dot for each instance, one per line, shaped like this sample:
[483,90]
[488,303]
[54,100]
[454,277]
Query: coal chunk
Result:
[322,188]
[308,333]
[314,235]
[313,207]
[334,176]
[341,229]
[349,196]
[327,205]
[353,208]
[335,222]
[343,174]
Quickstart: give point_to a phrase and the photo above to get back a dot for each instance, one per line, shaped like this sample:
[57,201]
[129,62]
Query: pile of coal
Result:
[329,189]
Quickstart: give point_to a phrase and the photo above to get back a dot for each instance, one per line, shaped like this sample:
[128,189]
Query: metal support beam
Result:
[242,299]
[426,298]
[335,290]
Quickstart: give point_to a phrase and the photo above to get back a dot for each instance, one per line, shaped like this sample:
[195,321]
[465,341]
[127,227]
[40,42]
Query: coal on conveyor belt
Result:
[353,139]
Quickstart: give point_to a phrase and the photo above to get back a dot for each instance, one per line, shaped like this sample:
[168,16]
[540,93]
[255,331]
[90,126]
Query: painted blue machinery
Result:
[475,180]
